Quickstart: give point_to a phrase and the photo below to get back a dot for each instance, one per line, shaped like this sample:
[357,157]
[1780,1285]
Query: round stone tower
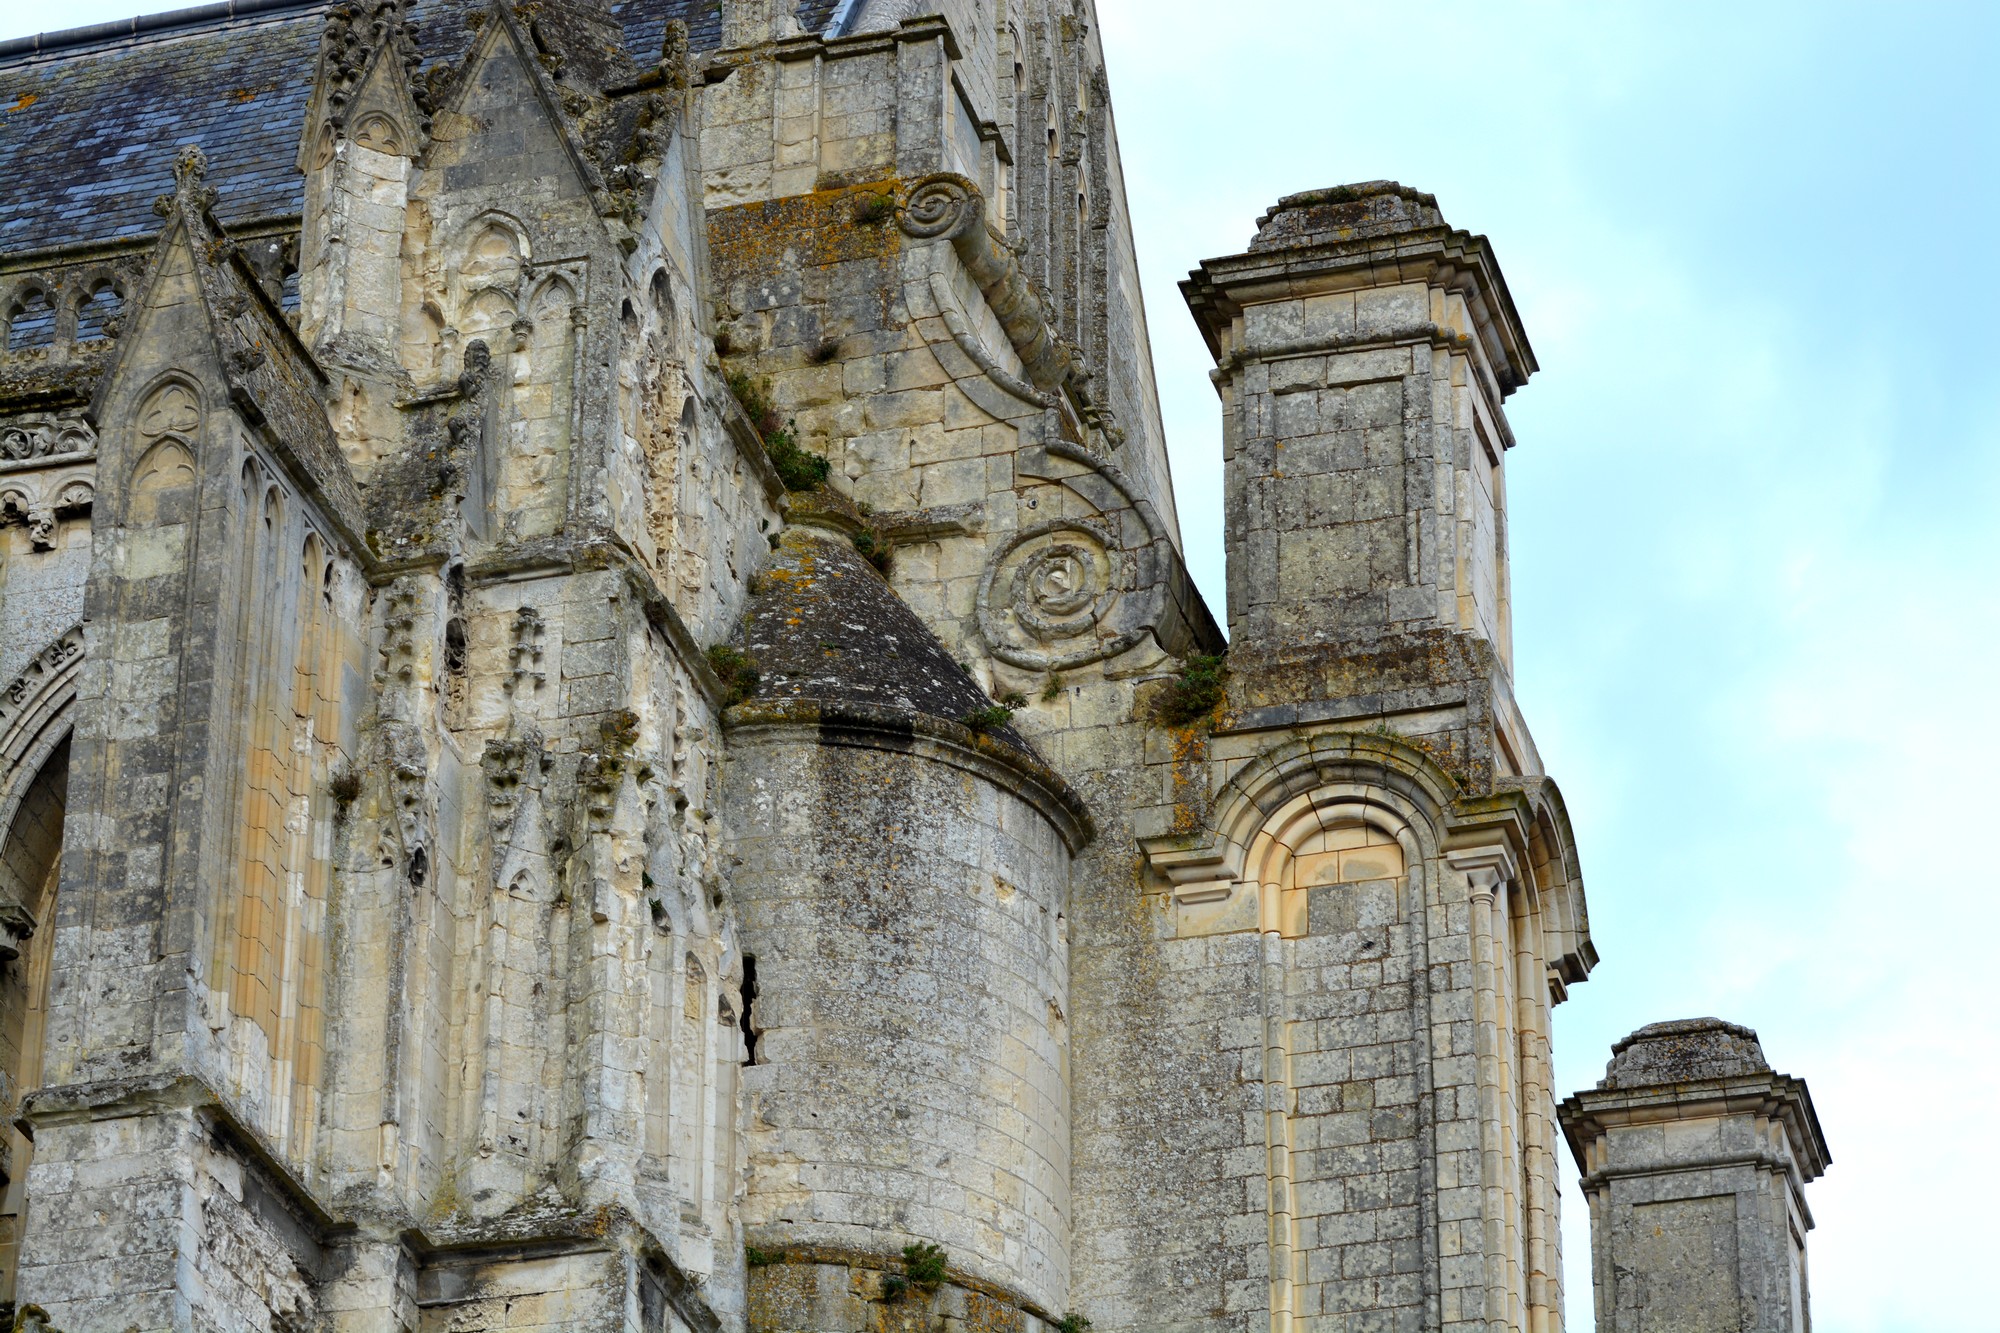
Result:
[902,888]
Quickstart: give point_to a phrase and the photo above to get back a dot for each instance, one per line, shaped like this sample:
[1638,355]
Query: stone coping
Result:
[783,1254]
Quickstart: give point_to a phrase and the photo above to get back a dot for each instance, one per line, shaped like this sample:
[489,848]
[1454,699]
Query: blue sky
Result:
[1752,517]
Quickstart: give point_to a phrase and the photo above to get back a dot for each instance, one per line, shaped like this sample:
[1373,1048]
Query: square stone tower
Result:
[1363,349]
[1694,1156]
[1368,799]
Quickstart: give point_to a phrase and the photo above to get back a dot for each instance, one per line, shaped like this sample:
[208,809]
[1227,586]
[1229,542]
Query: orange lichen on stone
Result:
[803,231]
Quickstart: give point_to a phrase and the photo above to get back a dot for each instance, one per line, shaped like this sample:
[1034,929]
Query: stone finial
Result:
[1694,1155]
[192,195]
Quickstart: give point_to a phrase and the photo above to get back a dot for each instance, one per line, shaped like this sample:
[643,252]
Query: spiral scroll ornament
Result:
[946,204]
[1050,598]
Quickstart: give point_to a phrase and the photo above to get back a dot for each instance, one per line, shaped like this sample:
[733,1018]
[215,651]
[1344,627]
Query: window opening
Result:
[95,315]
[31,322]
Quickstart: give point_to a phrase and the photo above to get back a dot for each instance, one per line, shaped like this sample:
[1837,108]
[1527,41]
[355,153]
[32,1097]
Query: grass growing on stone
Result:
[736,671]
[755,395]
[983,720]
[873,550]
[991,718]
[756,1258]
[923,1263]
[1072,1323]
[1197,692]
[800,469]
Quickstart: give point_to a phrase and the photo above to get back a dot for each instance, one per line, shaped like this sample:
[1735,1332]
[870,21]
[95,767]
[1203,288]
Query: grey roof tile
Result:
[87,129]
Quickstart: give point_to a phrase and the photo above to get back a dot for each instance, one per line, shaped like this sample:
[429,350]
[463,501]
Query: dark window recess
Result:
[31,322]
[454,645]
[94,316]
[749,1009]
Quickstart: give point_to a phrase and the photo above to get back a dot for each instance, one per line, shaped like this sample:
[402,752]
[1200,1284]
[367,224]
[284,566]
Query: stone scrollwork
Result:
[30,439]
[1087,586]
[1049,596]
[945,204]
[45,473]
[949,205]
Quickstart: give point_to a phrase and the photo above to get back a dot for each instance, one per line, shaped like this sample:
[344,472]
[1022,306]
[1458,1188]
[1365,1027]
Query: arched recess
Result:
[1266,798]
[1322,846]
[35,725]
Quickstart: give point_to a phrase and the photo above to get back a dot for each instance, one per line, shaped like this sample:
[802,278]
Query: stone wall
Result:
[466,936]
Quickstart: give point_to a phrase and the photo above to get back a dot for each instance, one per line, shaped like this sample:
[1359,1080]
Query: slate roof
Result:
[823,626]
[89,118]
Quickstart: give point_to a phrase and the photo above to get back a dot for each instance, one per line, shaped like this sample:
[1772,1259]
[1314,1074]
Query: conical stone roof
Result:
[823,626]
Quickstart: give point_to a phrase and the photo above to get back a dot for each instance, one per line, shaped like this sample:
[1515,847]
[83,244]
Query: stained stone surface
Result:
[1663,1054]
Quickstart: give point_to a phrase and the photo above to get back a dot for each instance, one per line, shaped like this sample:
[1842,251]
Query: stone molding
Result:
[1347,767]
[48,470]
[817,722]
[30,701]
[1336,259]
[870,1269]
[1587,1117]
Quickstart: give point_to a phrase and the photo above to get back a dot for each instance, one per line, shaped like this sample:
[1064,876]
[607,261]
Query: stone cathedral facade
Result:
[602,723]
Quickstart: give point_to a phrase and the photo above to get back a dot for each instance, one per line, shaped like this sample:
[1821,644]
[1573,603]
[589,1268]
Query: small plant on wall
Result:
[924,1264]
[994,716]
[800,469]
[736,671]
[1196,693]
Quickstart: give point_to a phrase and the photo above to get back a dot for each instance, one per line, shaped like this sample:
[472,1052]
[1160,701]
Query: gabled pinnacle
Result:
[271,377]
[347,46]
[193,196]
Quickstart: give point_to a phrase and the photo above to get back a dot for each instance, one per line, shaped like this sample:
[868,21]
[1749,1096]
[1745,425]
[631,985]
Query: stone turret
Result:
[1694,1156]
[1363,348]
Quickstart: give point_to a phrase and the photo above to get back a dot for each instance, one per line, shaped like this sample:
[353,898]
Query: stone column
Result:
[1694,1157]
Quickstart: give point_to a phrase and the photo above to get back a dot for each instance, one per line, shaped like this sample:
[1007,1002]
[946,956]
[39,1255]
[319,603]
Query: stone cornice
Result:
[1218,291]
[1591,1114]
